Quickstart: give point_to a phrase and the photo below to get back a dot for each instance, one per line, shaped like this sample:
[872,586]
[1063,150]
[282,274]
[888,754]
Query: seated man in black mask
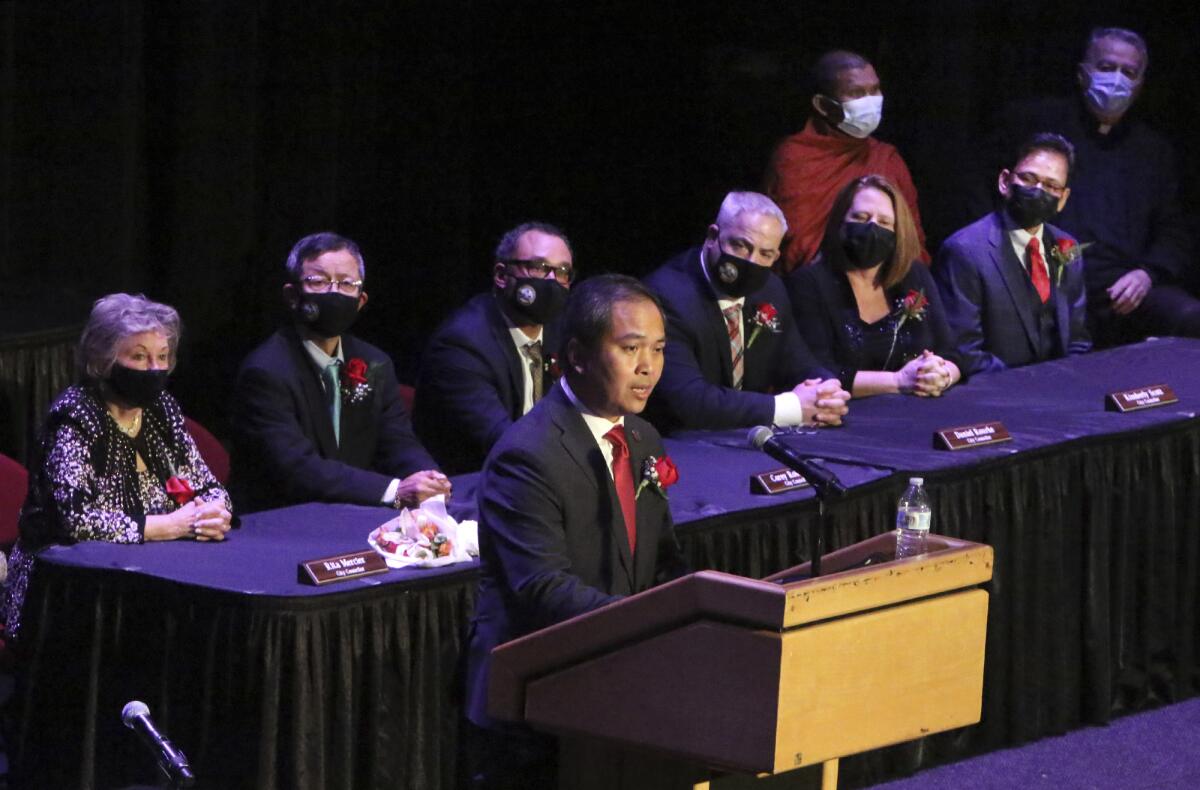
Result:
[494,357]
[734,357]
[1012,283]
[318,414]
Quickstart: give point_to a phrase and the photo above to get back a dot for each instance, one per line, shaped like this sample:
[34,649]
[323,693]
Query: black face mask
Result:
[1030,206]
[534,299]
[139,388]
[735,277]
[866,244]
[327,314]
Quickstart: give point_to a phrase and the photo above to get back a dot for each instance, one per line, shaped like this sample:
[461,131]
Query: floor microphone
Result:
[172,761]
[814,470]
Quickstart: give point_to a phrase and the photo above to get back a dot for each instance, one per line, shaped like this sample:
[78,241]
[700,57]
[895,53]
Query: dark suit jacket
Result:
[826,312]
[284,448]
[986,293]
[552,541]
[696,387]
[471,386]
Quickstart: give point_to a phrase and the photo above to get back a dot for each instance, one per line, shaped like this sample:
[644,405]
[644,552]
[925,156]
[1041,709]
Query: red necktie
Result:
[623,477]
[1037,269]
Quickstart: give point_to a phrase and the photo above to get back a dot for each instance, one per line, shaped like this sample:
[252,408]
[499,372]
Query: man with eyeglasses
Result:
[1011,282]
[1125,195]
[495,357]
[317,412]
[735,357]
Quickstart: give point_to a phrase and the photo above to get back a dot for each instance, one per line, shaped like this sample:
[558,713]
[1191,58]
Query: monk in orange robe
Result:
[808,169]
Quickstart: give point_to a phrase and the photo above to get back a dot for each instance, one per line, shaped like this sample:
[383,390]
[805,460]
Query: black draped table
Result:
[269,683]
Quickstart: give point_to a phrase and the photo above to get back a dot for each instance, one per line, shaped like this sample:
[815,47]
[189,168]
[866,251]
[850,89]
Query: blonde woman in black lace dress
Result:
[114,461]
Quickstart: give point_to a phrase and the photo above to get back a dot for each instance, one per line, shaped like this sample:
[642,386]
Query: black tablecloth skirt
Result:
[1093,613]
[322,695]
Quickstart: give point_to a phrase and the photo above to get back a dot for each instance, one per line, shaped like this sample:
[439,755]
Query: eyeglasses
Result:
[319,284]
[565,273]
[1031,180]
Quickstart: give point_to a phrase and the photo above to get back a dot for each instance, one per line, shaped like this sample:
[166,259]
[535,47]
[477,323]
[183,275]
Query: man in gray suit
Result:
[1012,283]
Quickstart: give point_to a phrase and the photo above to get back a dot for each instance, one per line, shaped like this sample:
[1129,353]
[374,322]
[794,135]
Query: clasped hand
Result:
[419,486]
[201,519]
[926,376]
[823,402]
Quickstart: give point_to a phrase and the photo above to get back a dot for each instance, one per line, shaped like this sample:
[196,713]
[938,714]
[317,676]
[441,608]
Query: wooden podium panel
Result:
[884,677]
[769,675]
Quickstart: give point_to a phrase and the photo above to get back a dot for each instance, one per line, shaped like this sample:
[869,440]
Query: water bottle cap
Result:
[916,481]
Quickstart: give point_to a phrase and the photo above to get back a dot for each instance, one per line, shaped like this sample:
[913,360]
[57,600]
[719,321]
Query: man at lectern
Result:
[570,517]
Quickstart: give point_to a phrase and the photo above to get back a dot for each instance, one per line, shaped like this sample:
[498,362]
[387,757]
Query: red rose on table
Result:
[180,490]
[668,474]
[356,371]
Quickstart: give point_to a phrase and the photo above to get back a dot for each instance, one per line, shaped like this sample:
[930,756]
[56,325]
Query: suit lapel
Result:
[1062,308]
[707,307]
[513,361]
[649,506]
[579,443]
[1013,274]
[313,393]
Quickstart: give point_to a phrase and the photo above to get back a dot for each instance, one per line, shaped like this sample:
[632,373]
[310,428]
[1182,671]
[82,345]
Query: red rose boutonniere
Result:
[180,490]
[911,307]
[550,365]
[355,387]
[1063,253]
[661,473]
[765,317]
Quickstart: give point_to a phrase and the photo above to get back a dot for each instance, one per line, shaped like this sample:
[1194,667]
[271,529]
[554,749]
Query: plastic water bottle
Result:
[912,519]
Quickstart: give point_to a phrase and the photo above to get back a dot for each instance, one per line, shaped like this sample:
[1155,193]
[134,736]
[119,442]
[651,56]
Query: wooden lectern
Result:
[761,677]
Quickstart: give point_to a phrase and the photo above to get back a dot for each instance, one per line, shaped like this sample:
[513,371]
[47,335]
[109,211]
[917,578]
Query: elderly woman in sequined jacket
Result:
[114,461]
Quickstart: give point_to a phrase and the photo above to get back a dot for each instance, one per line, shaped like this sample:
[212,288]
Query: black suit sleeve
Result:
[268,423]
[458,386]
[399,453]
[962,291]
[1170,250]
[697,402]
[1079,341]
[521,520]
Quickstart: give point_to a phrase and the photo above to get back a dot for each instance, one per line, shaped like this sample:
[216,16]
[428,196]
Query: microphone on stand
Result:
[171,760]
[823,481]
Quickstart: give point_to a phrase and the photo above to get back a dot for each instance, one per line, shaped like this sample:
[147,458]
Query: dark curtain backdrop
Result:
[179,148]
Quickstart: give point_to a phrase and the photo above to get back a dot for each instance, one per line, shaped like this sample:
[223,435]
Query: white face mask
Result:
[861,116]
[1109,92]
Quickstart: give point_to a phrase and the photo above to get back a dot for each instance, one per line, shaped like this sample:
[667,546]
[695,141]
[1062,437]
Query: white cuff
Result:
[788,410]
[389,496]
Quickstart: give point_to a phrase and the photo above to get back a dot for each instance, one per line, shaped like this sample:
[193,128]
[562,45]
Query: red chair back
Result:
[14,484]
[211,450]
[407,394]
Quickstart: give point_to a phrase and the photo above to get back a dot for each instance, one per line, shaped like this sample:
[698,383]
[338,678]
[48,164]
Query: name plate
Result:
[978,435]
[1140,398]
[776,481]
[342,567]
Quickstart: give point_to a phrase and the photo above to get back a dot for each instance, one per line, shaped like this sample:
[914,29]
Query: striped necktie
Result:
[733,322]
